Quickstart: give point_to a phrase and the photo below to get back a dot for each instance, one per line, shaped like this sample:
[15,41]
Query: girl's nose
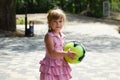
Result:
[57,23]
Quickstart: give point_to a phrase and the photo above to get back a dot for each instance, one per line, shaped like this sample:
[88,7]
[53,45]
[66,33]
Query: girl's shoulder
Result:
[53,35]
[49,35]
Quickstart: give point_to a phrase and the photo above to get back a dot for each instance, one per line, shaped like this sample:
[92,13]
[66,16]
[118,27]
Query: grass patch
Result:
[20,20]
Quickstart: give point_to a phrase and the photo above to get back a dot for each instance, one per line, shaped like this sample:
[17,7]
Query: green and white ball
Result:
[77,47]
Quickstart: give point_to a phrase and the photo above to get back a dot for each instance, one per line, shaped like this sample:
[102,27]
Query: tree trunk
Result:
[8,15]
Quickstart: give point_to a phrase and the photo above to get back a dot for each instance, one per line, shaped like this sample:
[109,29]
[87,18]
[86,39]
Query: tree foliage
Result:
[115,5]
[73,6]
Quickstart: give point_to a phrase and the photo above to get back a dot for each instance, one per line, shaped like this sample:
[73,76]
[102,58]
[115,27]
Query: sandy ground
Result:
[20,56]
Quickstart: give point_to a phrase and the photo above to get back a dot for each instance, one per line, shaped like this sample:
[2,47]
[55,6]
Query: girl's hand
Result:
[71,54]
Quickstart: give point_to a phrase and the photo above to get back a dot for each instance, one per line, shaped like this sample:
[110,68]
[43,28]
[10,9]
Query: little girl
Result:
[54,66]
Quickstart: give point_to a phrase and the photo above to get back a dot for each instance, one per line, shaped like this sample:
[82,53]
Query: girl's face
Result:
[56,25]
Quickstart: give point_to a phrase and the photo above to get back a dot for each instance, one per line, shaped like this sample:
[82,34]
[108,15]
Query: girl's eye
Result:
[55,21]
[60,21]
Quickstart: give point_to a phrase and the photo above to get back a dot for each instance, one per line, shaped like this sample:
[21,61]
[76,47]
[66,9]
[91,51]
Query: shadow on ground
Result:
[101,43]
[30,44]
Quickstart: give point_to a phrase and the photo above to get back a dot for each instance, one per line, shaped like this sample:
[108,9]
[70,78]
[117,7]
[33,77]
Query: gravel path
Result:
[19,56]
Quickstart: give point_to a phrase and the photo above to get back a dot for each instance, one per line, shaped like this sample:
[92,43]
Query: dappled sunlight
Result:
[21,55]
[95,36]
[22,44]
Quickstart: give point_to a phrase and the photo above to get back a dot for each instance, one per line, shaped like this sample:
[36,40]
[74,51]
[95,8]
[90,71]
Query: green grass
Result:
[20,20]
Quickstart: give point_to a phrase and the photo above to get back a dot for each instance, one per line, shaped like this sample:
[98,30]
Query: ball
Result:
[76,47]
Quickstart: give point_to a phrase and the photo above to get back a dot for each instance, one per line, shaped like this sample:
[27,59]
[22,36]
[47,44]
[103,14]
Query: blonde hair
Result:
[55,14]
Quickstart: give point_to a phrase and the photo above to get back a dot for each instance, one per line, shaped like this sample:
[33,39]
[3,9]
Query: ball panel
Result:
[71,61]
[75,47]
[68,45]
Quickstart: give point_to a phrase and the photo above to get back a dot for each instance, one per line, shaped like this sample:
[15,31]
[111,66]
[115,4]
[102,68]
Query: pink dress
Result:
[55,68]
